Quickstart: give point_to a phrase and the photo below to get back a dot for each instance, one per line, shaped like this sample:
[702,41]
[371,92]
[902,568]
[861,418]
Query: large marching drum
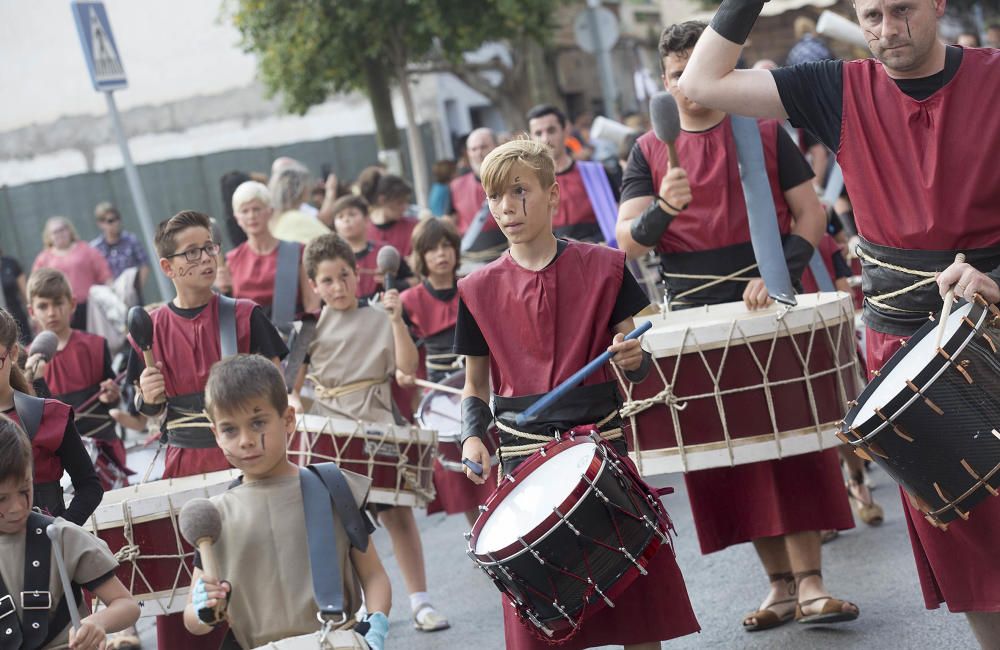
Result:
[567,531]
[398,459]
[931,416]
[732,386]
[139,525]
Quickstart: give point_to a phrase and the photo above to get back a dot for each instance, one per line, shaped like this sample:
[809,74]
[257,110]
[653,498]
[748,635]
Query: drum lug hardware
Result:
[878,450]
[600,593]
[533,552]
[989,488]
[467,536]
[656,529]
[509,477]
[575,624]
[990,341]
[949,500]
[995,433]
[542,452]
[931,405]
[782,310]
[623,551]
[483,508]
[537,623]
[899,431]
[566,521]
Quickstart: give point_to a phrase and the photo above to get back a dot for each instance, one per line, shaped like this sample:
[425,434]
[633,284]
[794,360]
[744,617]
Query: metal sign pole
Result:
[604,69]
[138,197]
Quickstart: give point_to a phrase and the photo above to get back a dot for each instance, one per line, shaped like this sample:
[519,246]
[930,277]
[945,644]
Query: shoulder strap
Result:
[40,622]
[764,233]
[286,286]
[299,347]
[343,501]
[328,586]
[602,199]
[29,410]
[820,273]
[476,226]
[227,327]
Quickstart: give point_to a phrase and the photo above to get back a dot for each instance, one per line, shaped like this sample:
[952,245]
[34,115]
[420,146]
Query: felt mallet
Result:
[388,261]
[201,527]
[45,346]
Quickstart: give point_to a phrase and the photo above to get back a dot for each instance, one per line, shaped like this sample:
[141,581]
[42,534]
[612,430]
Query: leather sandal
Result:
[832,610]
[767,618]
[868,511]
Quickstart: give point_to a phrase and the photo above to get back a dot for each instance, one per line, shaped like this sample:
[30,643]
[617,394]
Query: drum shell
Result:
[144,516]
[965,429]
[751,413]
[555,540]
[372,450]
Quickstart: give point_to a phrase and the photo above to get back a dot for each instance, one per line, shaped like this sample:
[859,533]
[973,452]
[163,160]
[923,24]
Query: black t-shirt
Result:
[469,339]
[813,93]
[264,339]
[793,170]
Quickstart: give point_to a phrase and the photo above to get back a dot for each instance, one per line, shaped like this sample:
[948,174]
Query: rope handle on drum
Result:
[530,414]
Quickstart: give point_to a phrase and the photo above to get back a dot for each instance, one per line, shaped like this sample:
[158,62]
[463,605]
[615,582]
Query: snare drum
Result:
[139,525]
[731,386]
[567,532]
[442,412]
[931,417]
[398,459]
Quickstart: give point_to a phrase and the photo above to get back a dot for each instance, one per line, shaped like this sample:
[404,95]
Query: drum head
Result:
[533,497]
[917,356]
[441,411]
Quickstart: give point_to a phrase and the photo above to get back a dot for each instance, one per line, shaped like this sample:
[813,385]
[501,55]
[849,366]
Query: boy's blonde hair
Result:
[495,171]
[49,284]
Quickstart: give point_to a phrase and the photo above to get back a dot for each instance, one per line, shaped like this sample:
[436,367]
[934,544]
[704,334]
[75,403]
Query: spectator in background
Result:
[440,196]
[229,182]
[968,38]
[993,36]
[289,190]
[281,164]
[82,265]
[120,248]
[14,295]
[809,47]
[389,197]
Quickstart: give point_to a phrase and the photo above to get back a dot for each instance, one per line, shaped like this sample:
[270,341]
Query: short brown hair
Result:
[324,248]
[349,201]
[49,284]
[443,170]
[105,207]
[166,232]
[234,381]
[15,451]
[495,171]
[426,236]
[680,38]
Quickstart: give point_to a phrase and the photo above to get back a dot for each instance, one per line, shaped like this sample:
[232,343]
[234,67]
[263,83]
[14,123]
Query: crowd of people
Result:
[336,300]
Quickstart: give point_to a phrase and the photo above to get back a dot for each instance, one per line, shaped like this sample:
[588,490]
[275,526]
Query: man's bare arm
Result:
[711,79]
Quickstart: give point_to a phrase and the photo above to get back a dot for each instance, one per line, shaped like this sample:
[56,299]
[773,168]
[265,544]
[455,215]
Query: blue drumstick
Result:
[476,468]
[530,414]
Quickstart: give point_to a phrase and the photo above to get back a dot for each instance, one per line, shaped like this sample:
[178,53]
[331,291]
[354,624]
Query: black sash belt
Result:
[187,424]
[582,405]
[716,262]
[41,619]
[903,314]
[96,422]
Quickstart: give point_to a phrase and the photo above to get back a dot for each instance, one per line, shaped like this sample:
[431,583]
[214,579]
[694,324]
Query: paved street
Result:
[871,566]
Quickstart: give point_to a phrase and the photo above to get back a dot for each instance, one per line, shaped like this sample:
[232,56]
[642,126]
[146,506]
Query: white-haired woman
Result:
[289,189]
[253,265]
[82,264]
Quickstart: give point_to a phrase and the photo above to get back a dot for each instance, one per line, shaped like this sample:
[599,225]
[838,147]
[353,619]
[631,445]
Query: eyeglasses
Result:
[194,254]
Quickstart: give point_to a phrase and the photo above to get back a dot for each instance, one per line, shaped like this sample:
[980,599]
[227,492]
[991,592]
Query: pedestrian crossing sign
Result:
[99,48]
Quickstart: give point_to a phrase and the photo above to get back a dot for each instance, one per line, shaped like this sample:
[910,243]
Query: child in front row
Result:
[262,553]
[356,352]
[40,611]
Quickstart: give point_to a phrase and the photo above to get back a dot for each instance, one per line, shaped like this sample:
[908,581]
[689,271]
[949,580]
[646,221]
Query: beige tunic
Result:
[86,556]
[264,554]
[353,346]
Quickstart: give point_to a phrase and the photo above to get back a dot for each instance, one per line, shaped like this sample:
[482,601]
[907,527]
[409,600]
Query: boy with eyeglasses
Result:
[190,333]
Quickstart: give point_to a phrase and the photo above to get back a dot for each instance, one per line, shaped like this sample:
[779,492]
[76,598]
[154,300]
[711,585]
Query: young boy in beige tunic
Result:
[262,553]
[356,351]
[89,565]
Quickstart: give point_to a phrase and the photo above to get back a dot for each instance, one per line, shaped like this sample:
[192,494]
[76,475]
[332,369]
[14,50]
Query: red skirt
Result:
[456,493]
[655,607]
[958,567]
[181,461]
[732,505]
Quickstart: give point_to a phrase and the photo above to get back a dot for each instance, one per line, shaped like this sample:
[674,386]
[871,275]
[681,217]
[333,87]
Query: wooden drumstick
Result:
[423,383]
[949,299]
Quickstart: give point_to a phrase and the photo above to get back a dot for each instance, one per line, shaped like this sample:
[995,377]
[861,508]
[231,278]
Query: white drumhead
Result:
[442,412]
[533,498]
[916,359]
[712,326]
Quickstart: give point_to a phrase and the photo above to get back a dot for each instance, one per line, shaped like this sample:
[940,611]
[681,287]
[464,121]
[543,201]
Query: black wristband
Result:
[147,409]
[735,19]
[639,375]
[649,226]
[476,418]
[798,252]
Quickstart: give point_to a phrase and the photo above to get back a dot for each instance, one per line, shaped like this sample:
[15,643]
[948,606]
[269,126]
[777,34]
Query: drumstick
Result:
[531,413]
[93,398]
[423,383]
[74,611]
[949,299]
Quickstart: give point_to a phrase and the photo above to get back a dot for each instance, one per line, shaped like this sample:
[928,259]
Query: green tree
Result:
[308,49]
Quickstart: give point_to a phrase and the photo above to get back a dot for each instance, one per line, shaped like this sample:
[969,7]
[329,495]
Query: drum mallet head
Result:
[200,522]
[140,327]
